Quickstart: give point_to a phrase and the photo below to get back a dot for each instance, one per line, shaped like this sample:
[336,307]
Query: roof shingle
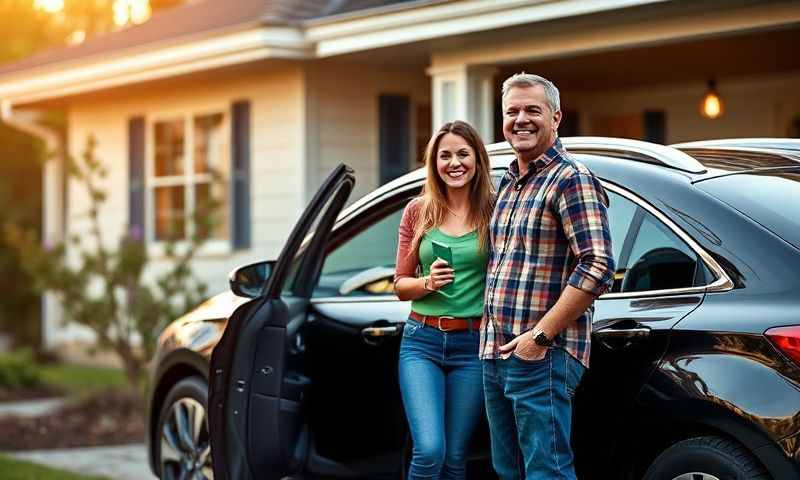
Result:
[195,18]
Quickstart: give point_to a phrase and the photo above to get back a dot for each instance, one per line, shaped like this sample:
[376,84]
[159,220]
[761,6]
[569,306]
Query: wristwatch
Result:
[540,338]
[425,284]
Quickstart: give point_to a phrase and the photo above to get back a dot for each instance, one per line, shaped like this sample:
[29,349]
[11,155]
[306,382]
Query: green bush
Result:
[18,371]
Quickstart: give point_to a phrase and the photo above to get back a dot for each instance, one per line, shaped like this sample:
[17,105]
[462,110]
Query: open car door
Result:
[258,388]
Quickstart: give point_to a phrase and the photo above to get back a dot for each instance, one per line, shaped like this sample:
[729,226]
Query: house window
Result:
[189,170]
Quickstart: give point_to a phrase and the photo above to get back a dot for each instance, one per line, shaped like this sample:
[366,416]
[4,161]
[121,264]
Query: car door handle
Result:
[639,332]
[379,331]
[389,331]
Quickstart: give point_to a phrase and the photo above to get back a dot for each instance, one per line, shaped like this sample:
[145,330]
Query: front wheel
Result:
[184,450]
[706,458]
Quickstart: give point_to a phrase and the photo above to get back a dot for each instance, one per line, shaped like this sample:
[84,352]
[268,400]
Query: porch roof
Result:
[208,34]
[196,18]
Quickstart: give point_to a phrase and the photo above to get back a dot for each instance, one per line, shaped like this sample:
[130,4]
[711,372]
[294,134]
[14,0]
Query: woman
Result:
[440,373]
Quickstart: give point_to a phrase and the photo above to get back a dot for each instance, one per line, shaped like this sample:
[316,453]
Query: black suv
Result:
[696,349]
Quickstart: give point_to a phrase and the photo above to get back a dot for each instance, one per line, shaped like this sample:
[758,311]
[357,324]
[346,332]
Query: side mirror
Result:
[248,281]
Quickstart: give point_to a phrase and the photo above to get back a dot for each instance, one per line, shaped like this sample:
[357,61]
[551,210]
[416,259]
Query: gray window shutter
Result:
[136,177]
[240,175]
[655,126]
[570,124]
[394,136]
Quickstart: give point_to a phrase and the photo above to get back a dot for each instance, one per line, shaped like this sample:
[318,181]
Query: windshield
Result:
[770,198]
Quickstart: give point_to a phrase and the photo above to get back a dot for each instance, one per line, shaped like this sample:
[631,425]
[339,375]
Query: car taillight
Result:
[787,339]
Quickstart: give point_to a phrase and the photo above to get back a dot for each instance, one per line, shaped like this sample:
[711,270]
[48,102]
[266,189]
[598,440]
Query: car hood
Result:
[218,307]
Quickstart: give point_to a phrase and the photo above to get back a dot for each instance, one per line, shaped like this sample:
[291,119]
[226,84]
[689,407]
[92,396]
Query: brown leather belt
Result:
[446,323]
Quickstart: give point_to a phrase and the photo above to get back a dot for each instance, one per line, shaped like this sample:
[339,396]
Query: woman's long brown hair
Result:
[433,208]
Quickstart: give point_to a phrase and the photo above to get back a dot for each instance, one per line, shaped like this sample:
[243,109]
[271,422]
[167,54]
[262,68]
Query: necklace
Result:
[453,212]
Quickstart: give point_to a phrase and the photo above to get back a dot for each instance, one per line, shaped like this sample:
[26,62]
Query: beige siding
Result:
[343,117]
[305,119]
[276,169]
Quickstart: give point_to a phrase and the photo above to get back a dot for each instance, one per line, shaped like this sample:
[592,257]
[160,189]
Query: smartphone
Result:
[440,250]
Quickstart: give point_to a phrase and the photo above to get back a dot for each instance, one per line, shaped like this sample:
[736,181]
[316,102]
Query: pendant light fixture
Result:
[711,105]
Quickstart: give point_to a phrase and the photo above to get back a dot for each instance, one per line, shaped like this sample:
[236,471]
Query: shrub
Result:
[18,371]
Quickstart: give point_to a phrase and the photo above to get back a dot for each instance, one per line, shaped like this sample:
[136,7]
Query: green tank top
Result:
[465,297]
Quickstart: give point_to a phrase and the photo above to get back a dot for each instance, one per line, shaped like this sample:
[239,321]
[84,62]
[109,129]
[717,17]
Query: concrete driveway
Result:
[125,462]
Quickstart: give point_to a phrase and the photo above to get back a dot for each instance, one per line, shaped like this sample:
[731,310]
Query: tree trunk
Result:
[133,365]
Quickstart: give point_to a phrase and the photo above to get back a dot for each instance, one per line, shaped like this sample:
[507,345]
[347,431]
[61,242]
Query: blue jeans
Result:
[529,407]
[441,386]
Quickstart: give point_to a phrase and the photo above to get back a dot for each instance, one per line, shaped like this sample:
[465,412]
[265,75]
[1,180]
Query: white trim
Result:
[58,80]
[447,19]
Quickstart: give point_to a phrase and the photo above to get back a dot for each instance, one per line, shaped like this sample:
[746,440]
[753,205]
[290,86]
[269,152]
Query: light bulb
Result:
[711,105]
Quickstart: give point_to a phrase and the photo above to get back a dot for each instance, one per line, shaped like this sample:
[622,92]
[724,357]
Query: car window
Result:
[497,176]
[364,264]
[770,198]
[620,215]
[659,260]
[300,260]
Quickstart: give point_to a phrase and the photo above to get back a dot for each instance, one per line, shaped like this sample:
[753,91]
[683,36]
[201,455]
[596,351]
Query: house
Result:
[273,93]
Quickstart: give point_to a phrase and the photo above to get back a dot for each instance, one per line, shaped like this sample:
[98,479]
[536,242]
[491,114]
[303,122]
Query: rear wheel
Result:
[184,450]
[706,458]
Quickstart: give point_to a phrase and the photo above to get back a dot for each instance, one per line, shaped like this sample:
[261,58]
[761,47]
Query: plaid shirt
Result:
[549,230]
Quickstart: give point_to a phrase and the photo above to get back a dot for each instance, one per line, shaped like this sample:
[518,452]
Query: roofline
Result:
[234,46]
[257,40]
[363,30]
[427,21]
[371,11]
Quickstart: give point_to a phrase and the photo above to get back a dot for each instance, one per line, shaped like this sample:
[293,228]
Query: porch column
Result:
[53,190]
[467,93]
[482,91]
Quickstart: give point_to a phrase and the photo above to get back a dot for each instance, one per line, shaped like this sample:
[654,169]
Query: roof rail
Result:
[785,144]
[635,150]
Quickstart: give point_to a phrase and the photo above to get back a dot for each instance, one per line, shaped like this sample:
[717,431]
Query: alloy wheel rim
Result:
[696,476]
[185,447]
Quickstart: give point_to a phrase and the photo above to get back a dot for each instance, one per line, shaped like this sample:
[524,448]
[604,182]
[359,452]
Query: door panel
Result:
[259,387]
[355,410]
[629,336]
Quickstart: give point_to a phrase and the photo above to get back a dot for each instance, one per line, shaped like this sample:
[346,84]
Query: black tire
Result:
[190,453]
[715,457]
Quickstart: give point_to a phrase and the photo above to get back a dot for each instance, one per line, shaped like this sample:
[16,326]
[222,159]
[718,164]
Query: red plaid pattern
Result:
[549,230]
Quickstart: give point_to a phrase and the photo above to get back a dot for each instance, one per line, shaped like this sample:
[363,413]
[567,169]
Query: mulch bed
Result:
[111,418]
[35,393]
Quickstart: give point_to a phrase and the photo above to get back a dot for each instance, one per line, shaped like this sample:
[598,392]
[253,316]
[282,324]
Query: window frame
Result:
[212,246]
[720,283]
[358,221]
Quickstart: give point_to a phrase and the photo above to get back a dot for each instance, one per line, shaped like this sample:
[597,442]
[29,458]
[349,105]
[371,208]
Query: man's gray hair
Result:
[528,80]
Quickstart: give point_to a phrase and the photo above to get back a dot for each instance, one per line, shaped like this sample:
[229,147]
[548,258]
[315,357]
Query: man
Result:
[550,258]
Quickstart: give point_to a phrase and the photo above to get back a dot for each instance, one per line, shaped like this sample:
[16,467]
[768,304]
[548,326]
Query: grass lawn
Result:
[20,470]
[77,380]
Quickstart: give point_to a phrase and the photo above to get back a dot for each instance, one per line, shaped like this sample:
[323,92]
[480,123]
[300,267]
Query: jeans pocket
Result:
[574,373]
[531,362]
[411,327]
